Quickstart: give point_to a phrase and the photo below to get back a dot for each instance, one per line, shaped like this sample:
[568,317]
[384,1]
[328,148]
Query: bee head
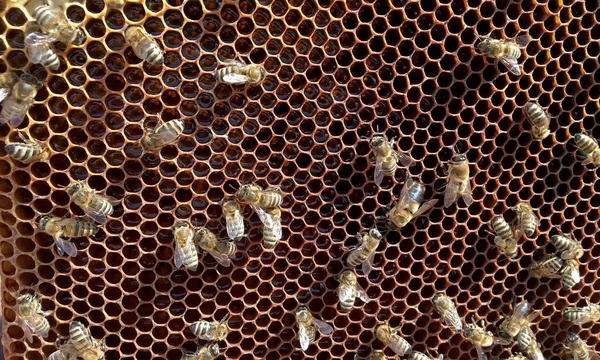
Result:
[484,45]
[246,193]
[79,37]
[43,222]
[347,275]
[214,349]
[375,233]
[458,159]
[469,329]
[257,73]
[230,204]
[572,337]
[25,298]
[302,313]
[382,332]
[438,298]
[73,188]
[377,141]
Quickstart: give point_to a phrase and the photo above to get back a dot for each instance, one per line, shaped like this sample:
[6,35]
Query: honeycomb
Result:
[338,72]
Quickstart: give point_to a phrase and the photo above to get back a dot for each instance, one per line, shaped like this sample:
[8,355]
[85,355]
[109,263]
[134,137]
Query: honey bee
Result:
[390,337]
[539,120]
[569,248]
[31,317]
[207,352]
[308,326]
[506,52]
[579,349]
[40,50]
[81,344]
[7,81]
[548,267]
[582,315]
[236,72]
[506,238]
[525,338]
[533,351]
[52,21]
[16,105]
[27,152]
[222,251]
[144,46]
[570,275]
[415,355]
[520,319]
[526,218]
[115,4]
[364,253]
[408,206]
[459,183]
[211,331]
[376,355]
[95,205]
[589,148]
[185,250]
[261,201]
[447,310]
[233,218]
[162,135]
[59,227]
[386,158]
[517,357]
[482,338]
[271,234]
[349,290]
[60,355]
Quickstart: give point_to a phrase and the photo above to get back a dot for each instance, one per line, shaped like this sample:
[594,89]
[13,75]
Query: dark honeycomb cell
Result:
[338,73]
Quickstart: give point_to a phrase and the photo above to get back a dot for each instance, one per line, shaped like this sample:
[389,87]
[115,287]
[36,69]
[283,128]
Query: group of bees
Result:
[17,94]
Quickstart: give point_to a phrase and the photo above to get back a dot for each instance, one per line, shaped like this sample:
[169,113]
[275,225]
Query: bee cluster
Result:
[50,31]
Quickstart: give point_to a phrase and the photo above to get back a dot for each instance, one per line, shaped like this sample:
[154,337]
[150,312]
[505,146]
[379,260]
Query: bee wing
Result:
[99,218]
[236,79]
[70,349]
[63,246]
[27,329]
[4,93]
[303,337]
[425,207]
[220,258]
[345,293]
[111,200]
[451,193]
[396,346]
[407,186]
[378,176]
[35,38]
[179,255]
[360,292]
[235,226]
[367,265]
[522,40]
[512,65]
[480,354]
[403,159]
[324,328]
[500,341]
[277,230]
[266,219]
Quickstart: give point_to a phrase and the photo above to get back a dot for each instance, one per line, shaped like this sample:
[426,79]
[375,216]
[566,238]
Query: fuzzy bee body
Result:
[185,250]
[518,320]
[234,221]
[506,52]
[7,81]
[386,158]
[349,290]
[390,337]
[578,347]
[237,72]
[87,347]
[409,205]
[162,135]
[59,355]
[272,234]
[459,183]
[525,338]
[526,218]
[364,253]
[28,152]
[506,239]
[539,120]
[73,227]
[144,46]
[16,105]
[481,338]
[590,149]
[210,330]
[548,267]
[447,310]
[207,352]
[569,248]
[582,315]
[95,205]
[416,355]
[308,326]
[266,199]
[375,355]
[222,251]
[570,274]
[31,317]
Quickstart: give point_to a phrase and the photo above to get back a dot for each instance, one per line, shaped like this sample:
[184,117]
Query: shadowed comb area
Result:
[337,74]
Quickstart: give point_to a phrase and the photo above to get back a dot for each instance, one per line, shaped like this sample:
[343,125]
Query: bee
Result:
[539,120]
[364,253]
[211,331]
[349,290]
[390,337]
[589,148]
[262,201]
[41,51]
[520,319]
[582,315]
[28,152]
[236,72]
[60,355]
[376,355]
[185,250]
[72,227]
[162,135]
[526,218]
[533,351]
[386,158]
[233,218]
[447,310]
[525,338]
[506,52]
[308,326]
[81,344]
[222,251]
[31,317]
[481,338]
[272,233]
[16,105]
[95,205]
[579,348]
[408,206]
[52,21]
[459,183]
[207,352]
[415,355]
[144,47]
[548,267]
[570,275]
[570,248]
[506,238]
[7,81]
[517,357]
[115,4]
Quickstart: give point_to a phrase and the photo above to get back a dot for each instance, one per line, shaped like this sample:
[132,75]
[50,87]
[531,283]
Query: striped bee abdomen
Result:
[501,227]
[22,152]
[585,143]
